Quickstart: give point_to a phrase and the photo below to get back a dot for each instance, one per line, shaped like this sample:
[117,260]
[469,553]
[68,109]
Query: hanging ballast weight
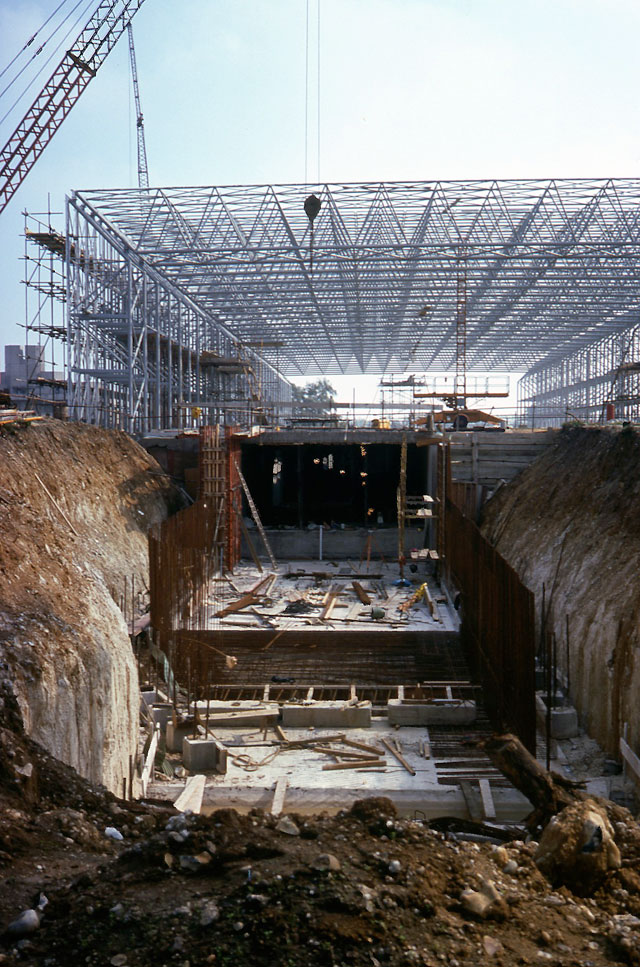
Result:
[311,207]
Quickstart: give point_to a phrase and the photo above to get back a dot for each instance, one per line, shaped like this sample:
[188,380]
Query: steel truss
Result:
[551,268]
[598,383]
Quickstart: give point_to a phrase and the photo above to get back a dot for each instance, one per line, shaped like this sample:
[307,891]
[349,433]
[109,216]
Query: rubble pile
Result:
[89,879]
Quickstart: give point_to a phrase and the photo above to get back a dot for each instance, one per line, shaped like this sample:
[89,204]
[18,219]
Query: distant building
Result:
[30,385]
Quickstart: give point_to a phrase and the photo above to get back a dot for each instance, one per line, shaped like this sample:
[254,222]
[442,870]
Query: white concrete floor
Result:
[251,781]
[348,613]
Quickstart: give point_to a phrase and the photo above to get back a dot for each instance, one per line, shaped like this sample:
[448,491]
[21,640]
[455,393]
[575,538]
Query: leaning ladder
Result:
[256,516]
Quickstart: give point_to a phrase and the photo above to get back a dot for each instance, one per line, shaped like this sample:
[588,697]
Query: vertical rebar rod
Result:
[206,722]
[568,659]
[548,684]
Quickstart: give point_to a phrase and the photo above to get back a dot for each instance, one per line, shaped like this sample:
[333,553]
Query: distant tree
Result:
[320,394]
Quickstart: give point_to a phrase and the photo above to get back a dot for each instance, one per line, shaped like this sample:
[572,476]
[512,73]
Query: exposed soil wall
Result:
[64,554]
[571,521]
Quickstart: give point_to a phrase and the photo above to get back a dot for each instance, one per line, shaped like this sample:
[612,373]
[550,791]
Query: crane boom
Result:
[78,66]
[143,169]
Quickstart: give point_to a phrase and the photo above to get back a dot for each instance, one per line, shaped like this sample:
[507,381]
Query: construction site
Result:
[290,679]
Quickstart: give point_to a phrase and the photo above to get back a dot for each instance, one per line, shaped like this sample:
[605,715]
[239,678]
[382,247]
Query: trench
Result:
[249,675]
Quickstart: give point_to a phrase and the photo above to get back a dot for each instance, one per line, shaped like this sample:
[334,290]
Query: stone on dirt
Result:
[326,861]
[485,903]
[287,825]
[577,848]
[112,833]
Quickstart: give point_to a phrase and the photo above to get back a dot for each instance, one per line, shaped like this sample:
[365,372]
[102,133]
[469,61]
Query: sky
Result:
[408,89]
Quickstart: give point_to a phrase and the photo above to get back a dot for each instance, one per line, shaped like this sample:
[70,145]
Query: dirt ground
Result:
[361,888]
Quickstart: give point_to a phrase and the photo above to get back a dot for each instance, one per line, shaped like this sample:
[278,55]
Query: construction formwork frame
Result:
[141,354]
[599,383]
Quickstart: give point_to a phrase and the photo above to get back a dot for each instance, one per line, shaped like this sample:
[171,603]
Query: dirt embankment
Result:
[571,522]
[75,506]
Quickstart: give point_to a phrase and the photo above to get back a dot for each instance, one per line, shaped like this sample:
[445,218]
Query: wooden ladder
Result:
[255,515]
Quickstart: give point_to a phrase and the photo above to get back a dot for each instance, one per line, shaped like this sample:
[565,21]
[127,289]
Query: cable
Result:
[31,39]
[51,56]
[129,125]
[306,100]
[41,47]
[318,94]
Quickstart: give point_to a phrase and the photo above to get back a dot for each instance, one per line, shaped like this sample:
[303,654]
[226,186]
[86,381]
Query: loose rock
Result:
[485,903]
[577,848]
[286,825]
[326,861]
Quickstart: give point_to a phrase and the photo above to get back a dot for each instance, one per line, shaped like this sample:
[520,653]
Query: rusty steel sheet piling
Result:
[498,625]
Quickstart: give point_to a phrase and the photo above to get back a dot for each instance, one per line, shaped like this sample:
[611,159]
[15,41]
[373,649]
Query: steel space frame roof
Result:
[549,267]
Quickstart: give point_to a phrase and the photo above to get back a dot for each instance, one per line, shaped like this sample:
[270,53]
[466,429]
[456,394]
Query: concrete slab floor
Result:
[254,768]
[256,763]
[308,593]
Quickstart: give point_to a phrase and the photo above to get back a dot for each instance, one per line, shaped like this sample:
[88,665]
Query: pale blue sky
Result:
[409,89]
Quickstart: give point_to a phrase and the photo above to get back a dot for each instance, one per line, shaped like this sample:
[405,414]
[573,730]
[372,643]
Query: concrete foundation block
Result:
[221,758]
[245,714]
[327,715]
[200,755]
[147,697]
[176,734]
[400,712]
[564,719]
[161,713]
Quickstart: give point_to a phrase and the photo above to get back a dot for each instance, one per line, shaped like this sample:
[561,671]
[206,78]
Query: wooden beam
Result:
[280,733]
[346,754]
[263,584]
[264,718]
[244,602]
[273,640]
[369,764]
[360,591]
[630,757]
[401,759]
[191,795]
[330,605]
[488,804]
[362,746]
[250,544]
[278,796]
[55,503]
[147,772]
[473,801]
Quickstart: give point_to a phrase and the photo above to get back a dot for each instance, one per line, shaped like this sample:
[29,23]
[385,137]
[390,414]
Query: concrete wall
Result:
[295,545]
[489,458]
[22,366]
